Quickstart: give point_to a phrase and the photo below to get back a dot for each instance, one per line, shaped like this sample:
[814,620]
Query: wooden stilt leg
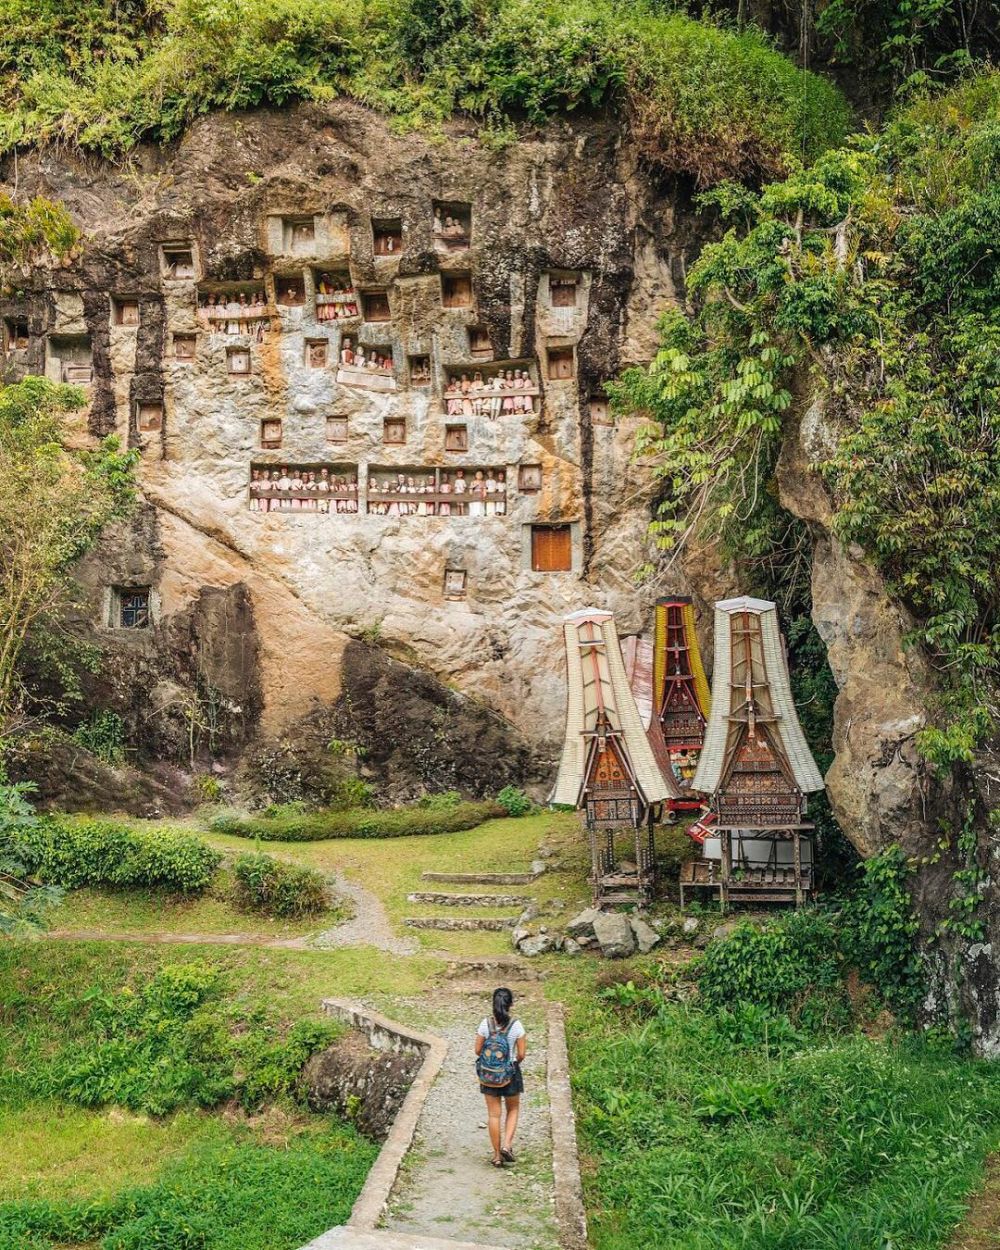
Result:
[726,845]
[797,860]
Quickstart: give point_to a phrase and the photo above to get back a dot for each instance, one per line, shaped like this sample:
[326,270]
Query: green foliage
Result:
[97,852]
[23,902]
[175,1042]
[33,230]
[445,801]
[772,967]
[700,98]
[267,885]
[303,826]
[869,280]
[718,1130]
[244,1196]
[55,502]
[208,787]
[880,932]
[514,801]
[103,735]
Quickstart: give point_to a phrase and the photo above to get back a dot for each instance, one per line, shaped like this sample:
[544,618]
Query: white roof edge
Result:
[745,604]
[588,614]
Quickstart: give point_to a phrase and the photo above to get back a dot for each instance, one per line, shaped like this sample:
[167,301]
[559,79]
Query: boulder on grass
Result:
[614,933]
[646,936]
[690,926]
[571,946]
[583,924]
[540,944]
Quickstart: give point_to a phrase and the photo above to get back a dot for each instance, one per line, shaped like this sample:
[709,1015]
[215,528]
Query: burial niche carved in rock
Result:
[177,262]
[336,298]
[387,236]
[452,225]
[303,488]
[125,311]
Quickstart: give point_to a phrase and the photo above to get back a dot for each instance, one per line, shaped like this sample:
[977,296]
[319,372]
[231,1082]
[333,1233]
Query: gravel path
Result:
[448,1187]
[368,927]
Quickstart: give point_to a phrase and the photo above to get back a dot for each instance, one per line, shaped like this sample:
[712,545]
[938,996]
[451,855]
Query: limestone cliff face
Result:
[270,202]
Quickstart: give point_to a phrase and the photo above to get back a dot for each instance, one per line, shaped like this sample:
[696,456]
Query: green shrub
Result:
[104,736]
[442,802]
[773,967]
[174,1042]
[514,801]
[96,852]
[267,885]
[393,823]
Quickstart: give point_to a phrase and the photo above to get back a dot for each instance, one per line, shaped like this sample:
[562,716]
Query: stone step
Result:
[469,900]
[347,1238]
[461,924]
[482,878]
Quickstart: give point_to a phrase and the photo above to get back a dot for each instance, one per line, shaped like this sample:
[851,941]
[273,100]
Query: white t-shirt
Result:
[515,1031]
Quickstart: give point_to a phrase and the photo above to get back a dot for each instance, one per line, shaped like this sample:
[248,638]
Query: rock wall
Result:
[251,613]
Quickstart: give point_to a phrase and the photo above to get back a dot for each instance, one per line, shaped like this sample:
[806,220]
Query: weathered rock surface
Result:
[256,616]
[360,1083]
[583,923]
[614,933]
[646,936]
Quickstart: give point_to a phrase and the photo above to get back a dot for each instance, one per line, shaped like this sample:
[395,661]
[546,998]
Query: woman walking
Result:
[500,1047]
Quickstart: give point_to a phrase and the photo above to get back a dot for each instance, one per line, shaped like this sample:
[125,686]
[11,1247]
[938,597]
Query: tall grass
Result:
[736,1131]
[701,98]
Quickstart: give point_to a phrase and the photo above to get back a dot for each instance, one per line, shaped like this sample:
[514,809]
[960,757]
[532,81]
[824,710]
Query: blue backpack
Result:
[495,1065]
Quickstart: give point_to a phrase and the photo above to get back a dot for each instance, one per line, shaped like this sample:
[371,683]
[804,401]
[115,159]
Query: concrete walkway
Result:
[448,1188]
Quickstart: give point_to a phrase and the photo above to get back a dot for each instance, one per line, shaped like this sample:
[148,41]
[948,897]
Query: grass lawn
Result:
[90,1165]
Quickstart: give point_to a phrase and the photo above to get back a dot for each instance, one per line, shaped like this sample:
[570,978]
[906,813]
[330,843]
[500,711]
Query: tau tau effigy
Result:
[608,768]
[671,693]
[755,768]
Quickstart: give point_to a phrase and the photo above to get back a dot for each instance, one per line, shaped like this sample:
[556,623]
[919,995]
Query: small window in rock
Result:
[336,429]
[394,430]
[456,438]
[126,312]
[454,583]
[299,234]
[289,292]
[317,353]
[77,373]
[560,363]
[130,607]
[600,414]
[479,343]
[452,225]
[238,359]
[270,433]
[551,549]
[69,359]
[562,292]
[15,335]
[387,236]
[149,417]
[375,305]
[184,346]
[420,370]
[456,290]
[529,478]
[177,261]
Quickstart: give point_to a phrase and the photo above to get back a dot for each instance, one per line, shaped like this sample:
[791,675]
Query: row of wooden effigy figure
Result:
[644,736]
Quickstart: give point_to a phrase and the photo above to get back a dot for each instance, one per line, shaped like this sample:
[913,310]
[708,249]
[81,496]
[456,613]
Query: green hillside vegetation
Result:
[869,280]
[702,99]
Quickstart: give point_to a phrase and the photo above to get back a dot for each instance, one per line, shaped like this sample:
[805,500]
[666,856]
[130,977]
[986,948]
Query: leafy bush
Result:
[443,802]
[514,801]
[175,1042]
[300,826]
[703,99]
[880,932]
[96,852]
[773,967]
[266,885]
[104,736]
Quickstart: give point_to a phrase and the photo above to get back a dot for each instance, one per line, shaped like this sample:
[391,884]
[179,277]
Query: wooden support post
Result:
[797,861]
[726,846]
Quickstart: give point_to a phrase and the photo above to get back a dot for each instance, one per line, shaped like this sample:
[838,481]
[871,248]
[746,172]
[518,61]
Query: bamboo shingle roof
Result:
[756,669]
[598,688]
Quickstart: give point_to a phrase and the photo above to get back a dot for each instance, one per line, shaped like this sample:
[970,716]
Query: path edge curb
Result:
[384,1033]
[571,1217]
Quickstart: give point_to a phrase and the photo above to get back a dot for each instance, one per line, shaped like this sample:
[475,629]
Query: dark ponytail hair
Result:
[503,1000]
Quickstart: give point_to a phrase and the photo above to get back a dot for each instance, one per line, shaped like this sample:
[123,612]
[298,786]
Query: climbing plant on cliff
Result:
[700,98]
[33,229]
[54,503]
[866,283]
